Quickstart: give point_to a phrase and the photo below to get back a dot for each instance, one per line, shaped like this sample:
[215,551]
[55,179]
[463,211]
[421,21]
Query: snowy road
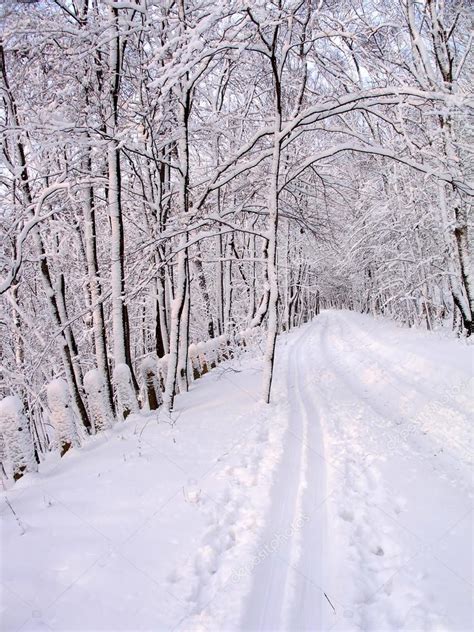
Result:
[377,468]
[345,505]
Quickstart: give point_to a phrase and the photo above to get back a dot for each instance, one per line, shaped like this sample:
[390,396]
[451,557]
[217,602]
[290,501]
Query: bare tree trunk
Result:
[177,306]
[262,309]
[219,286]
[114,203]
[98,321]
[269,357]
[201,279]
[465,261]
[183,368]
[253,277]
[178,311]
[161,331]
[60,290]
[227,287]
[24,186]
[121,341]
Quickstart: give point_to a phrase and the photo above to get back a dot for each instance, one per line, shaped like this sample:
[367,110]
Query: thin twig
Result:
[19,522]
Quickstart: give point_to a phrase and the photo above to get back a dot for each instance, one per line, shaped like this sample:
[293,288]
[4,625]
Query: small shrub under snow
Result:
[62,415]
[126,398]
[97,400]
[16,440]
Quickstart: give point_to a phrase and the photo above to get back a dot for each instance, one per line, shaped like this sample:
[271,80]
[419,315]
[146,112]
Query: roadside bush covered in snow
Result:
[194,360]
[16,445]
[16,442]
[126,398]
[211,351]
[151,380]
[99,408]
[202,354]
[223,348]
[62,415]
[249,338]
[163,371]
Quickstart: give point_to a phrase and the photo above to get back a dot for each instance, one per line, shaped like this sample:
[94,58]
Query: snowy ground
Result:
[345,505]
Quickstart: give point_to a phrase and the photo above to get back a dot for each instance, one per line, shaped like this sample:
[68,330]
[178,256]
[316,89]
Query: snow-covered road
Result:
[377,468]
[344,505]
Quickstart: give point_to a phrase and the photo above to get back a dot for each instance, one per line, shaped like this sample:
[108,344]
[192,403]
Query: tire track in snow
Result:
[304,595]
[287,593]
[267,604]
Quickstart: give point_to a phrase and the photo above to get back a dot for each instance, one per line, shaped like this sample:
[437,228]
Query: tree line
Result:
[176,171]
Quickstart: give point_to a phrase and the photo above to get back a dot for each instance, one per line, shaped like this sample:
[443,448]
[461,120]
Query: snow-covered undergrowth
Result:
[14,439]
[150,519]
[345,505]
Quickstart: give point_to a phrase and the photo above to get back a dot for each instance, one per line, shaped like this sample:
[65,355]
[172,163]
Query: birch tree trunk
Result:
[179,329]
[201,280]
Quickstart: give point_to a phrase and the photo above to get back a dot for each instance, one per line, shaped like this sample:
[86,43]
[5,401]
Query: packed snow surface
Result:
[344,505]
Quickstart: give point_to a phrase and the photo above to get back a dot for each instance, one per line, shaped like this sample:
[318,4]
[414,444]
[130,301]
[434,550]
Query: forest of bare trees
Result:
[176,172]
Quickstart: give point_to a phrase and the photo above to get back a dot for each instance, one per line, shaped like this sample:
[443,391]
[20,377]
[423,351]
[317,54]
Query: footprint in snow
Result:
[378,551]
[206,560]
[173,576]
[400,504]
[346,514]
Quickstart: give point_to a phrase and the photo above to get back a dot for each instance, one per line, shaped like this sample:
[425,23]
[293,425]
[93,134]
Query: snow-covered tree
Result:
[17,448]
[97,399]
[62,415]
[189,170]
